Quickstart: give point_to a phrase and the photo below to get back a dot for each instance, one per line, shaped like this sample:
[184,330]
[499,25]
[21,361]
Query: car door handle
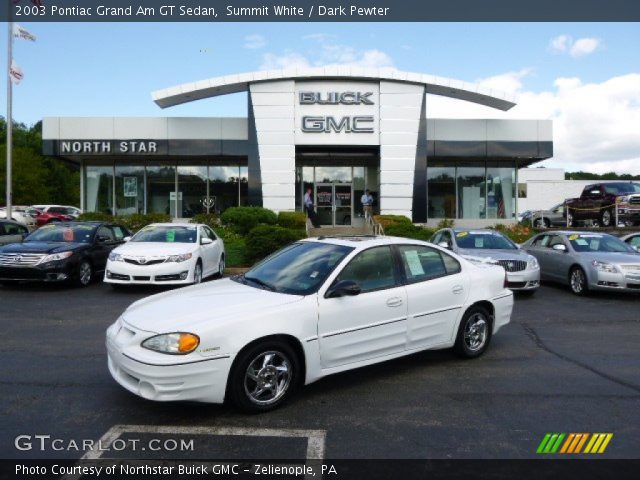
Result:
[394,302]
[457,289]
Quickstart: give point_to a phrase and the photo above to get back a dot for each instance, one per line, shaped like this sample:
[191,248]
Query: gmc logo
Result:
[336,98]
[355,124]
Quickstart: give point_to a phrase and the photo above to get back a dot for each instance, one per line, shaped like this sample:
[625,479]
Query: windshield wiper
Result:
[260,282]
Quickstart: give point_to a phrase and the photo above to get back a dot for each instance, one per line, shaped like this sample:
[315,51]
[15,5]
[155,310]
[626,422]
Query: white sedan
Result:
[167,254]
[316,307]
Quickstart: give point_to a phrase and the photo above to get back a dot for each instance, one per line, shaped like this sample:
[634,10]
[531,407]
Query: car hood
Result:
[611,257]
[184,309]
[487,253]
[151,249]
[42,247]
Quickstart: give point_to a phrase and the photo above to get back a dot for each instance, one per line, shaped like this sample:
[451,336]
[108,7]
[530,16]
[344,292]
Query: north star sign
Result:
[108,146]
[328,124]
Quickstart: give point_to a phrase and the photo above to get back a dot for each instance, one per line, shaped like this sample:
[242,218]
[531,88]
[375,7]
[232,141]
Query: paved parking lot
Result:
[565,364]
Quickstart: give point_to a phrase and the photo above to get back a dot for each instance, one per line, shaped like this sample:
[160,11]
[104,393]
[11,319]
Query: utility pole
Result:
[9,112]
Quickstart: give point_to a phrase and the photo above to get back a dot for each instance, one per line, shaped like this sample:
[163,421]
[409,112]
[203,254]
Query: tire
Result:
[541,223]
[221,265]
[472,342]
[607,218]
[570,220]
[85,274]
[280,369]
[197,273]
[578,281]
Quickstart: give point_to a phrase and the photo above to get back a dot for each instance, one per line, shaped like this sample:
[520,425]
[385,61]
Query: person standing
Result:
[309,208]
[367,205]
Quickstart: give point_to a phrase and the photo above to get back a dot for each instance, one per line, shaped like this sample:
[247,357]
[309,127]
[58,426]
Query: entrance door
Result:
[334,203]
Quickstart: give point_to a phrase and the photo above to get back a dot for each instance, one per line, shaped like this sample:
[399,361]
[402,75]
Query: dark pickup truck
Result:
[598,201]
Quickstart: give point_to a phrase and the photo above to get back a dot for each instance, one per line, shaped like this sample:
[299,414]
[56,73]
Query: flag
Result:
[21,32]
[15,73]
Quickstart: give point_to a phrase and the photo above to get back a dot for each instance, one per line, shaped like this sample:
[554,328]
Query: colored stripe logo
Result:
[574,443]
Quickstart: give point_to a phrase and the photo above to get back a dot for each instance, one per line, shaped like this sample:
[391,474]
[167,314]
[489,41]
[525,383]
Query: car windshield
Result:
[63,234]
[62,210]
[298,269]
[598,243]
[166,234]
[622,188]
[484,240]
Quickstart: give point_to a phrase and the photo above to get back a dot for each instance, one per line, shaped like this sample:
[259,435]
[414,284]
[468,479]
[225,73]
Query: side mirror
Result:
[103,239]
[126,239]
[636,248]
[560,248]
[343,288]
[444,245]
[206,241]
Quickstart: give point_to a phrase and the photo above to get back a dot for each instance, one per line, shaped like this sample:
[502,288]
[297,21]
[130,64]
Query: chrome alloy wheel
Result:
[268,377]
[221,265]
[606,218]
[84,274]
[578,281]
[197,274]
[475,332]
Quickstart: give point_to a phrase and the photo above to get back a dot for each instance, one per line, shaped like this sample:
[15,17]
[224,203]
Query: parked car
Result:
[44,218]
[73,212]
[597,203]
[12,232]
[632,239]
[314,308]
[69,251]
[554,217]
[21,214]
[167,253]
[586,261]
[485,245]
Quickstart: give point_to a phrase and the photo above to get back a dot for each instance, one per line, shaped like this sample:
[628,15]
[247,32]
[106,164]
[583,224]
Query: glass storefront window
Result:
[161,186]
[244,186]
[359,185]
[471,191]
[223,187]
[129,189]
[333,175]
[192,185]
[441,191]
[501,191]
[99,189]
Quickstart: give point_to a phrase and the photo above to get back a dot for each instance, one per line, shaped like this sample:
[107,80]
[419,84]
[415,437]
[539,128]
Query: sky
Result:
[583,76]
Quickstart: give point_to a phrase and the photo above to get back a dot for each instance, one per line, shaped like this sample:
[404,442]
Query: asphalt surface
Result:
[564,364]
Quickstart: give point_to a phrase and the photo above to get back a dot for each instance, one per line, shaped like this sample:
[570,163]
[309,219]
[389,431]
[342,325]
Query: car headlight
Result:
[178,343]
[115,257]
[624,199]
[56,257]
[532,263]
[179,258]
[605,267]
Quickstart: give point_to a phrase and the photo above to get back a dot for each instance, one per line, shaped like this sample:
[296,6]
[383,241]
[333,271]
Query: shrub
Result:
[263,240]
[388,220]
[95,217]
[517,232]
[243,219]
[133,222]
[210,219]
[295,220]
[445,223]
[409,231]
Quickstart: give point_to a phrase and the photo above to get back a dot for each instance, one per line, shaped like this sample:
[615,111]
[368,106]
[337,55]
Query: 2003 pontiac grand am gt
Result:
[316,307]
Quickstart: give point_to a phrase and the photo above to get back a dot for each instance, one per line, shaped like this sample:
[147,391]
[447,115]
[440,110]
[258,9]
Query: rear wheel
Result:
[606,219]
[578,281]
[474,333]
[570,220]
[264,376]
[85,273]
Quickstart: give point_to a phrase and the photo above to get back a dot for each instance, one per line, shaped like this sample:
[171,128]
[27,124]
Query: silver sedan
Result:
[586,261]
[633,239]
[491,246]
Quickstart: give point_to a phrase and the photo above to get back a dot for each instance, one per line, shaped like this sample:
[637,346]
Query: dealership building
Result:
[337,130]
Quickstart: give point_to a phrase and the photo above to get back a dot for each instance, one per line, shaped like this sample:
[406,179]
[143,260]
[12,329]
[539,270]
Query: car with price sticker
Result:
[586,261]
[314,308]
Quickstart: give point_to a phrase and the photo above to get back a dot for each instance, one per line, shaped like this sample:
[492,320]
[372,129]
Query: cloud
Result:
[319,37]
[595,125]
[564,44]
[254,41]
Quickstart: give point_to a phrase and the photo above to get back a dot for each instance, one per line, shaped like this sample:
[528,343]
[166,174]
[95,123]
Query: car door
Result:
[208,252]
[218,249]
[436,291]
[538,248]
[104,241]
[558,262]
[368,325]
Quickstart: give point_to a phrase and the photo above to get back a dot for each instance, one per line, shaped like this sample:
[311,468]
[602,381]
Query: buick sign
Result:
[336,98]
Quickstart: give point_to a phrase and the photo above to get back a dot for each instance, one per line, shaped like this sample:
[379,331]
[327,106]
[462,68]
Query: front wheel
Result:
[221,266]
[578,281]
[474,333]
[264,376]
[197,273]
[540,223]
[85,273]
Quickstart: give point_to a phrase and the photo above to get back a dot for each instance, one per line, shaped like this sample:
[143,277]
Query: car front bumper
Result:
[524,280]
[626,280]
[170,273]
[160,377]
[52,272]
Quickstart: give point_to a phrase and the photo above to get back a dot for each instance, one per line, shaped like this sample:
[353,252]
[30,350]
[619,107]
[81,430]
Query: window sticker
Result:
[574,237]
[582,242]
[479,242]
[413,261]
[483,233]
[314,274]
[171,236]
[462,234]
[67,235]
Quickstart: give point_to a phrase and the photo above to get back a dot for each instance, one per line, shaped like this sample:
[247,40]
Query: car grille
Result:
[20,259]
[631,268]
[635,200]
[513,265]
[145,262]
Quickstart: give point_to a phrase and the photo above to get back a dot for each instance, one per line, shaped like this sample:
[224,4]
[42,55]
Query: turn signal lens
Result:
[179,343]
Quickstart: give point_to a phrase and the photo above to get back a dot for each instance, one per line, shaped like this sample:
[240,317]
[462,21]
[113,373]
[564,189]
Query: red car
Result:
[43,218]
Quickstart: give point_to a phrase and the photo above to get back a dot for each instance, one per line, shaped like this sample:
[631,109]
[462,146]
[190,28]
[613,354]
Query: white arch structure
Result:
[213,87]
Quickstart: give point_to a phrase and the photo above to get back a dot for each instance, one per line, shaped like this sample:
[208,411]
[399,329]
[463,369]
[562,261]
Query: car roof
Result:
[364,241]
[181,224]
[573,232]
